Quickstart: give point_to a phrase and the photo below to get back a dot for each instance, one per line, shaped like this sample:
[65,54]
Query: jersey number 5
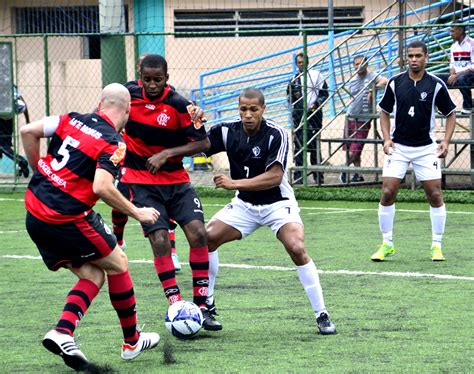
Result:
[63,151]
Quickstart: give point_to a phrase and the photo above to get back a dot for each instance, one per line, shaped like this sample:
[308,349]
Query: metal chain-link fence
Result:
[55,74]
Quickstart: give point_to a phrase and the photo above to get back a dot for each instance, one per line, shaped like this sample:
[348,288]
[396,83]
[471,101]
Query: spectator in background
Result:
[361,90]
[6,134]
[461,66]
[316,94]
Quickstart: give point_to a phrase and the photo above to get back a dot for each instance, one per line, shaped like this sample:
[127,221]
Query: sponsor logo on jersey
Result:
[119,154]
[162,119]
[256,151]
[423,96]
[150,106]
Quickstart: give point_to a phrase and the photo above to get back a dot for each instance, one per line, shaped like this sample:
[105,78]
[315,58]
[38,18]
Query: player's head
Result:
[417,56]
[251,108]
[360,64]
[154,75]
[115,103]
[458,32]
[300,60]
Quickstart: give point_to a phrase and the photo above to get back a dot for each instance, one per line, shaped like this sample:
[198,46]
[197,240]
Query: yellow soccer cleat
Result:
[385,250]
[436,254]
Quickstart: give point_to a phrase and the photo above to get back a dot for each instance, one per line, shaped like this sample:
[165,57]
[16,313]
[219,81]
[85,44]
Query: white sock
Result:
[386,217]
[438,221]
[309,279]
[213,270]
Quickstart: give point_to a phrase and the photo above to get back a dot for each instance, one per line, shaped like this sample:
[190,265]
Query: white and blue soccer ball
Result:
[183,319]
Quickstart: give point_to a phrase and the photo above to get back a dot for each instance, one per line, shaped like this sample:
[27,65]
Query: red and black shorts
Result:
[177,201]
[75,242]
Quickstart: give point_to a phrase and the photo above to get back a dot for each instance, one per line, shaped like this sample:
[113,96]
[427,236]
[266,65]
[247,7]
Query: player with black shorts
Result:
[257,149]
[414,96]
[162,128]
[83,158]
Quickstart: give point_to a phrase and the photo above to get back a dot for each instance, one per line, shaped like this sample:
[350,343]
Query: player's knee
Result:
[435,197]
[388,195]
[95,275]
[197,236]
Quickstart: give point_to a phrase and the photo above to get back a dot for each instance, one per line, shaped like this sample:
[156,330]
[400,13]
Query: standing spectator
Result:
[119,220]
[316,94]
[361,90]
[6,134]
[162,128]
[413,95]
[461,66]
[264,197]
[83,158]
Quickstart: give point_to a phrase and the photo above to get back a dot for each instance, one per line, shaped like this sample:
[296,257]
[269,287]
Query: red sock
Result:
[77,302]
[165,269]
[199,263]
[122,297]
[119,220]
[172,235]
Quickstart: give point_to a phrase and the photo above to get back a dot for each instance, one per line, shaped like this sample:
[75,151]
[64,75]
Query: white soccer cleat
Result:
[65,346]
[147,340]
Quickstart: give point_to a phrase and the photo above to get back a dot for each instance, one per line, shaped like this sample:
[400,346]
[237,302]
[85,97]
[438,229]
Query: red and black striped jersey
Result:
[153,126]
[61,188]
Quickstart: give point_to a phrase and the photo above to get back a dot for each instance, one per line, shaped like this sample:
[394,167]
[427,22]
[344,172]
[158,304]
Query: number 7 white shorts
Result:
[425,161]
[247,217]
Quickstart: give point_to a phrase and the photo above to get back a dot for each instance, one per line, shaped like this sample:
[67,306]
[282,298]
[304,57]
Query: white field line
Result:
[283,268]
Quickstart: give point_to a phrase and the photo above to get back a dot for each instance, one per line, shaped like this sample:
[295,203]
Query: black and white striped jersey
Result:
[414,104]
[250,156]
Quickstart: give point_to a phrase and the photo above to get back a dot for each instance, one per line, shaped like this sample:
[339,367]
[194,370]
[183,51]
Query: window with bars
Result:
[253,22]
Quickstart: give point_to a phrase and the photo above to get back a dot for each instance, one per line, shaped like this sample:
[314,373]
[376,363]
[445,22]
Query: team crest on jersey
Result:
[163,119]
[423,96]
[119,154]
[256,151]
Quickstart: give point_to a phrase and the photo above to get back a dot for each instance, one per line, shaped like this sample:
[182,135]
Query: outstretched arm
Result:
[103,186]
[155,162]
[270,178]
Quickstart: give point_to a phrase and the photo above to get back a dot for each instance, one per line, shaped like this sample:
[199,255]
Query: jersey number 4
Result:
[411,111]
[63,151]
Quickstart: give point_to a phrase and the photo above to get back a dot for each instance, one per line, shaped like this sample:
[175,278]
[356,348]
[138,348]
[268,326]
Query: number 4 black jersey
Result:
[250,156]
[414,105]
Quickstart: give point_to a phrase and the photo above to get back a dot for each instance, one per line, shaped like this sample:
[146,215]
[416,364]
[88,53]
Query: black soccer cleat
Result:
[209,322]
[325,326]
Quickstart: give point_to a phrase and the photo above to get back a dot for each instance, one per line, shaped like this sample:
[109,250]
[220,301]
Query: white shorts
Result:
[425,161]
[247,217]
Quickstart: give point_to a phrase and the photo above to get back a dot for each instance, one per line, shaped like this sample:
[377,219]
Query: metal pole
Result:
[46,75]
[332,78]
[401,33]
[305,109]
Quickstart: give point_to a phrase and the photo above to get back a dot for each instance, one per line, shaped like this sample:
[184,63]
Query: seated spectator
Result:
[6,134]
[461,67]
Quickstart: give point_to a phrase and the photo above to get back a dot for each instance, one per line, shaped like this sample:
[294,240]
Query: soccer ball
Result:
[183,319]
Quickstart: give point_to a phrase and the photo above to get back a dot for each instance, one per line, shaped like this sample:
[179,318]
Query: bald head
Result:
[115,95]
[253,93]
[115,104]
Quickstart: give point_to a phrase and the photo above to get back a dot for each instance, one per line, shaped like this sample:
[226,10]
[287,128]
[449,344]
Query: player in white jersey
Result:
[257,150]
[413,96]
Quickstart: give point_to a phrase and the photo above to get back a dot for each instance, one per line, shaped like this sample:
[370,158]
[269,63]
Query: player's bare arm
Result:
[450,125]
[385,126]
[155,162]
[30,136]
[271,178]
[104,187]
